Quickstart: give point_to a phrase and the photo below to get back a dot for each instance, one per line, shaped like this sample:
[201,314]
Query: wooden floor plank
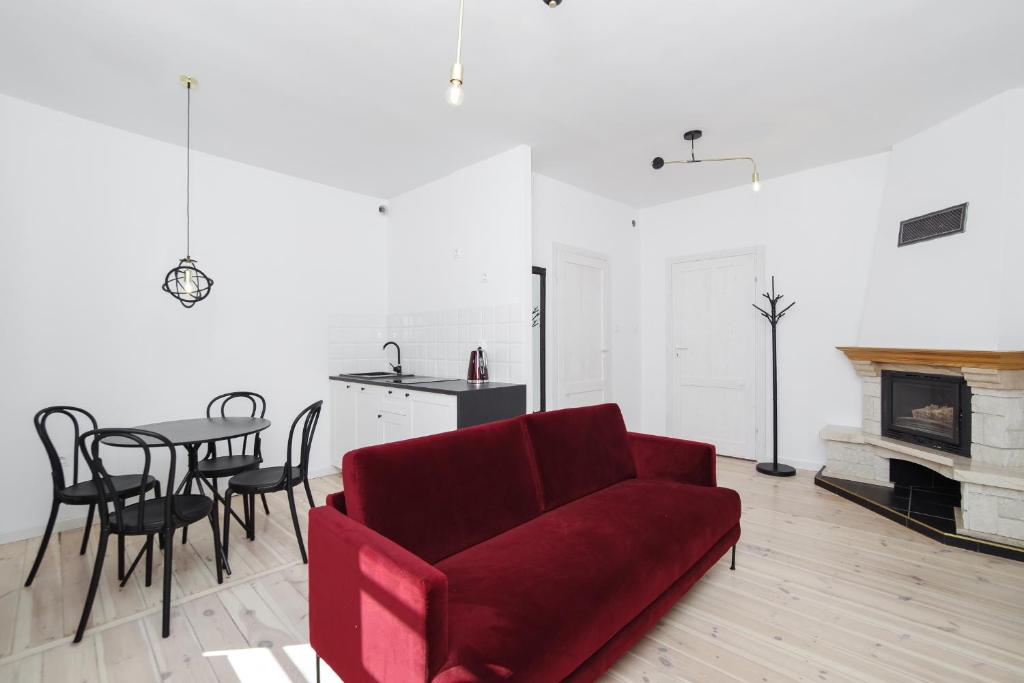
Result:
[824,590]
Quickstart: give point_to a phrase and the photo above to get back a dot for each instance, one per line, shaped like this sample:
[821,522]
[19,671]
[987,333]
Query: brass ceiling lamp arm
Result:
[693,135]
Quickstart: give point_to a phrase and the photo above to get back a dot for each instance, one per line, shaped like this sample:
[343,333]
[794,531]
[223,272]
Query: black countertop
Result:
[451,386]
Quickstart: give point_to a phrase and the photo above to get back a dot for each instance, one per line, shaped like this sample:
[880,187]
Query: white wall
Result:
[566,215]
[459,258]
[483,211]
[962,291]
[817,228]
[91,218]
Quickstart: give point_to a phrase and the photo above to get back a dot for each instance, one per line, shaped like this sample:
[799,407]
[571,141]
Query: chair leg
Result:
[168,552]
[101,551]
[88,528]
[218,549]
[309,493]
[227,519]
[149,560]
[120,557]
[188,490]
[295,522]
[266,508]
[318,669]
[245,516]
[44,542]
[733,565]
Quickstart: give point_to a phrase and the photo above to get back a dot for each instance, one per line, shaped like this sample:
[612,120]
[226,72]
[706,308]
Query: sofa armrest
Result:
[377,612]
[660,457]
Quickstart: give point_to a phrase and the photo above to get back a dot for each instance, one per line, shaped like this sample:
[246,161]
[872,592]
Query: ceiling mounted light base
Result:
[552,3]
[691,136]
[187,81]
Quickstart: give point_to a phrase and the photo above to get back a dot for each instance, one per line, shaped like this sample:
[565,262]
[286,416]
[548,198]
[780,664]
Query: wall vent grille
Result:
[931,225]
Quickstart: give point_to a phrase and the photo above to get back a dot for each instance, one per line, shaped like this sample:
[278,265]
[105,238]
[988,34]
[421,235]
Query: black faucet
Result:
[396,368]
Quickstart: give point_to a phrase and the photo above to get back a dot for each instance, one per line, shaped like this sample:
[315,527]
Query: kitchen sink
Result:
[370,375]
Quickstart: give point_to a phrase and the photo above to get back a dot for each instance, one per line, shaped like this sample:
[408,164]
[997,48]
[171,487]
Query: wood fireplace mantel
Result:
[997,360]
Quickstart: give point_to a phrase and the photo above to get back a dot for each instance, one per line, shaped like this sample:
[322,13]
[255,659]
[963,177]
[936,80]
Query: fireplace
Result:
[928,410]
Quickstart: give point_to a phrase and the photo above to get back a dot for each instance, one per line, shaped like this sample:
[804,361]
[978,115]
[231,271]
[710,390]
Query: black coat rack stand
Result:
[773,468]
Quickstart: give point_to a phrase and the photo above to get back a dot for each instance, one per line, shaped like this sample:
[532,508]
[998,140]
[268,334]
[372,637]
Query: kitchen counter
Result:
[366,411]
[451,386]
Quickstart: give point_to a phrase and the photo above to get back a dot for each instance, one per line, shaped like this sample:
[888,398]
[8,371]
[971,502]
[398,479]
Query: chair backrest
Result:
[309,416]
[245,403]
[126,439]
[81,421]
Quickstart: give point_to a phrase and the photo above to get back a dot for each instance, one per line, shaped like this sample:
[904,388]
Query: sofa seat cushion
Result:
[534,602]
[579,451]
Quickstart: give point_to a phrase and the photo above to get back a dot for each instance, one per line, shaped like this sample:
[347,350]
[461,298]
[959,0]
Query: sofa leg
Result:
[733,565]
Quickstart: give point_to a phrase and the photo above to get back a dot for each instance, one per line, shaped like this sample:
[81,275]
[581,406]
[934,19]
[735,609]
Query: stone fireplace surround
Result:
[991,480]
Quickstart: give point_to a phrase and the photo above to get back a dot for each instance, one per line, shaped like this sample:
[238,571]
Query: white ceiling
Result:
[351,93]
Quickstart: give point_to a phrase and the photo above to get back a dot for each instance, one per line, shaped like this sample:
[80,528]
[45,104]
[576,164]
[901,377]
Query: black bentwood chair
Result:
[78,493]
[158,516]
[281,478]
[243,454]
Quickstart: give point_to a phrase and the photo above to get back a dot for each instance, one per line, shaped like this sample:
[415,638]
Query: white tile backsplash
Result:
[433,343]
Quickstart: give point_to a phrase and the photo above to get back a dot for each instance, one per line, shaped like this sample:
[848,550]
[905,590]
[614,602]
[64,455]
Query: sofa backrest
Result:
[579,451]
[440,494]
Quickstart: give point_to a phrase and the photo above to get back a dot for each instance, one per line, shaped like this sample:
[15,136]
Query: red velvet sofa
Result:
[539,548]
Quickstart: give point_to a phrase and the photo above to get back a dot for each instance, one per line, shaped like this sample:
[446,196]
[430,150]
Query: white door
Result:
[581,331]
[714,352]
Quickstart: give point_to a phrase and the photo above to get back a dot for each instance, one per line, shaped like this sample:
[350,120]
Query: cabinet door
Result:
[394,426]
[368,416]
[343,419]
[431,413]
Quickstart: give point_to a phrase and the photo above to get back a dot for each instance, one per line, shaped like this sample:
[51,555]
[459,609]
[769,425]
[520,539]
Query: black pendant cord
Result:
[188,171]
[773,317]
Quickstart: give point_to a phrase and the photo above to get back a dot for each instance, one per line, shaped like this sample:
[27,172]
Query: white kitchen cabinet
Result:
[343,416]
[367,413]
[431,413]
[368,430]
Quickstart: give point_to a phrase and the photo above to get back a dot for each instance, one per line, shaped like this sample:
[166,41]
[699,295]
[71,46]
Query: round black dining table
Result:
[192,434]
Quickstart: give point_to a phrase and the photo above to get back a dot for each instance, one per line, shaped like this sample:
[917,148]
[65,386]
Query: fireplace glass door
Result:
[926,409]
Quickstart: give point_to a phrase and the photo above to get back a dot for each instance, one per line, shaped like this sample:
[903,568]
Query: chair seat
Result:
[227,465]
[263,480]
[126,486]
[188,508]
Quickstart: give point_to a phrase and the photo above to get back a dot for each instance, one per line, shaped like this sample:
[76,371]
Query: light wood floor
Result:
[823,591]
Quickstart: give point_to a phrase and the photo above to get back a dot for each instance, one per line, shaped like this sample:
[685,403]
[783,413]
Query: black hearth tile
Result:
[939,524]
[937,496]
[898,517]
[962,542]
[926,507]
[901,490]
[1002,551]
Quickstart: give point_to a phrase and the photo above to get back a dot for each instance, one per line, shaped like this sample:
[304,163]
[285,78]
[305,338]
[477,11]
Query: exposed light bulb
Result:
[757,182]
[188,286]
[455,94]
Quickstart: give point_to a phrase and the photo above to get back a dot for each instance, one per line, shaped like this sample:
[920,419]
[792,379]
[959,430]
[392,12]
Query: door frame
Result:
[760,342]
[558,249]
[542,273]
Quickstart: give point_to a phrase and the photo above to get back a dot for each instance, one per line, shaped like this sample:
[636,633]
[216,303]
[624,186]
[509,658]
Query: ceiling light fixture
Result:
[455,79]
[691,136]
[185,282]
[455,94]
